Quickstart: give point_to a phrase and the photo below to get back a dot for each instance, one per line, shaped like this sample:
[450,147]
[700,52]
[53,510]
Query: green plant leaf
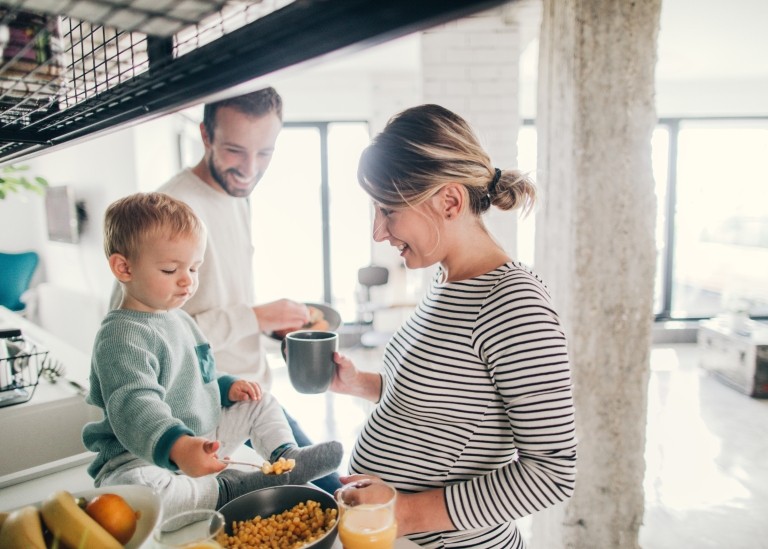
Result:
[14,183]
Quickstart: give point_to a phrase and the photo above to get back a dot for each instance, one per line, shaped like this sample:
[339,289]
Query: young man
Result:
[239,136]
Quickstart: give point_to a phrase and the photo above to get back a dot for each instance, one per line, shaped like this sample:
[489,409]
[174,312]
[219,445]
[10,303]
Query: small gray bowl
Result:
[269,501]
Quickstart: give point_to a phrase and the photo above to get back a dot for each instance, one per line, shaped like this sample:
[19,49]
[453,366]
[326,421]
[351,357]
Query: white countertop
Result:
[51,406]
[43,435]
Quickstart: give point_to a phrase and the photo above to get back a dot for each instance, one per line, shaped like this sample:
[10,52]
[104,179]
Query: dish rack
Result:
[21,362]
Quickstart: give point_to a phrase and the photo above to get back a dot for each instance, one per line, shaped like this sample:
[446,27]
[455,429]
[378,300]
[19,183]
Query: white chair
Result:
[369,277]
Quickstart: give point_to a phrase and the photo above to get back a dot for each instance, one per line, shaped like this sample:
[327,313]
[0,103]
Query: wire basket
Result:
[21,362]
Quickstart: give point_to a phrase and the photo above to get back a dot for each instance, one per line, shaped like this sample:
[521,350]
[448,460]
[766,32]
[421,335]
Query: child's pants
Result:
[263,422]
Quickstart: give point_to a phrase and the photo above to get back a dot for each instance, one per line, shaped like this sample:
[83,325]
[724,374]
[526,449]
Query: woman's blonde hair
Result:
[424,148]
[130,220]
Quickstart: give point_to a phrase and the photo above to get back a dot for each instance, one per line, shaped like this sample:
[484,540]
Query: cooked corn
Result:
[291,529]
[279,467]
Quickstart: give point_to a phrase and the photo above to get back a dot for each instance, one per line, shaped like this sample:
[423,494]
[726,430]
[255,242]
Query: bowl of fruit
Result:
[104,518]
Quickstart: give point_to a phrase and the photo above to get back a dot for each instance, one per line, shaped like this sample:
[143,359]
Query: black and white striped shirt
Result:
[476,398]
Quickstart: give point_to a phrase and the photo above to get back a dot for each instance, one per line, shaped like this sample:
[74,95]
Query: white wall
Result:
[140,158]
[22,223]
[99,171]
[720,97]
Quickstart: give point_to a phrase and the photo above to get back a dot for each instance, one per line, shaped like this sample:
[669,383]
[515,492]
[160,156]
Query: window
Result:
[660,159]
[712,218]
[311,221]
[721,218]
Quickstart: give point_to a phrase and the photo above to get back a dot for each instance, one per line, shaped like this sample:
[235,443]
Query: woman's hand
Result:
[196,456]
[419,512]
[349,380]
[244,390]
[345,378]
[366,489]
[355,478]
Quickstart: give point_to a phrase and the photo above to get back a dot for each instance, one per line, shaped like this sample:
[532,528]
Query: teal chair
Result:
[16,270]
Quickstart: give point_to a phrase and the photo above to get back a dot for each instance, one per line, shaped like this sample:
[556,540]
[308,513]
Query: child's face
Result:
[164,275]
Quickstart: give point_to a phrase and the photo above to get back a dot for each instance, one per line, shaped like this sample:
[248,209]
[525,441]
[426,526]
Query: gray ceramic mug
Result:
[309,356]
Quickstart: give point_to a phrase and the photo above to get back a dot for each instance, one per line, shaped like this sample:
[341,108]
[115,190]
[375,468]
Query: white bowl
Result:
[140,498]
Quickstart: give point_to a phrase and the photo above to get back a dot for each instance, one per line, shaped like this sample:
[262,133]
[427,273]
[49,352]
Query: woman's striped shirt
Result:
[476,398]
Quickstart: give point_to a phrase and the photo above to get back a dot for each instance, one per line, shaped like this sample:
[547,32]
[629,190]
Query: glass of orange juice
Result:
[367,515]
[196,529]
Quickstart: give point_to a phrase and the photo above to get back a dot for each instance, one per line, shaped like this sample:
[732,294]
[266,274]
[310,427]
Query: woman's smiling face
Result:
[414,231]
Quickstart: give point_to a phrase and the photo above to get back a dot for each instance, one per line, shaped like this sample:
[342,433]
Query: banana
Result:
[22,528]
[72,526]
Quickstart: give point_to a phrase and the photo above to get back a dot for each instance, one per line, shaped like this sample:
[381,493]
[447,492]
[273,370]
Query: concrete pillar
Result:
[595,248]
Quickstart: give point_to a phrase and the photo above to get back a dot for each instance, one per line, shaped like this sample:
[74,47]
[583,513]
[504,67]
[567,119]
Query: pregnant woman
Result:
[474,423]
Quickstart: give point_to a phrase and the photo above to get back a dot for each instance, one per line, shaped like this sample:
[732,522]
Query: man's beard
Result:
[221,179]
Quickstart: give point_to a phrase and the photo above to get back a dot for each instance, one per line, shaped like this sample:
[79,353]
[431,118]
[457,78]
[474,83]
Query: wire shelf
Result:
[86,58]
[89,66]
[21,362]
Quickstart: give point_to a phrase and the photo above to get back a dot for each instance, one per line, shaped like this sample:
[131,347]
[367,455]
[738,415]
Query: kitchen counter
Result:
[75,479]
[42,451]
[42,436]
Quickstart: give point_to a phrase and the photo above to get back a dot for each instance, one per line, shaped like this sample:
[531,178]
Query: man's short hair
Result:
[256,104]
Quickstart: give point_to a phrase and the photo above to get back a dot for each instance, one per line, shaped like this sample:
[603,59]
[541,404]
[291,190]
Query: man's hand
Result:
[244,390]
[280,315]
[196,456]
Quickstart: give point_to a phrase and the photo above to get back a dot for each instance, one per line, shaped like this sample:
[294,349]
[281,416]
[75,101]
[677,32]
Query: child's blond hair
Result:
[130,220]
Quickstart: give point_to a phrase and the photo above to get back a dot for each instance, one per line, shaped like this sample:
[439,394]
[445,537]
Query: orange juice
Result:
[367,527]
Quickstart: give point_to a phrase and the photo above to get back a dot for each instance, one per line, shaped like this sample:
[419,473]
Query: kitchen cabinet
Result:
[135,70]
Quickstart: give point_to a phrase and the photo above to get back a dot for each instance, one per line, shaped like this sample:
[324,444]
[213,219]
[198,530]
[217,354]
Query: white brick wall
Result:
[471,67]
[390,94]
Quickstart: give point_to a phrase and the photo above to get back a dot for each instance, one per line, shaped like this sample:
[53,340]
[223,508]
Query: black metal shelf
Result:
[128,76]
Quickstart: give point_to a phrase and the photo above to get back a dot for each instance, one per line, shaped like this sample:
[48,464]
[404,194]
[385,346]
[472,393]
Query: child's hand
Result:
[196,456]
[244,390]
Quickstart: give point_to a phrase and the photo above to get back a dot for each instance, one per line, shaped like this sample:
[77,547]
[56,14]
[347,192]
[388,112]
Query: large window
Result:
[720,252]
[660,158]
[311,221]
[312,227]
[712,217]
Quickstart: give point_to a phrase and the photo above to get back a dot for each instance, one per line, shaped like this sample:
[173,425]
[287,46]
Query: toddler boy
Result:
[168,414]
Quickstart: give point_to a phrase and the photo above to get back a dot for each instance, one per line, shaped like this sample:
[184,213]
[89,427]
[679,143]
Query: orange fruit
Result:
[113,514]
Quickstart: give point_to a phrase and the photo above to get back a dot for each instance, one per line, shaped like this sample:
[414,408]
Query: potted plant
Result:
[13,179]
